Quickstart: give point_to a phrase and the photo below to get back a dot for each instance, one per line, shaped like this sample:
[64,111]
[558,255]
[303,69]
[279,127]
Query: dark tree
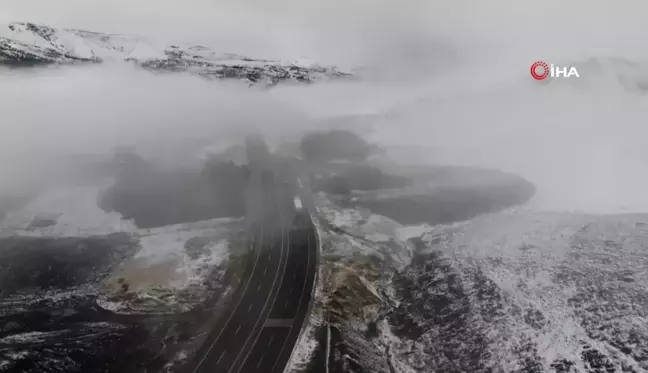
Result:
[335,145]
[373,178]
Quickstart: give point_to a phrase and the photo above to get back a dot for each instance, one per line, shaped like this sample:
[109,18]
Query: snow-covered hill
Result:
[29,43]
[507,292]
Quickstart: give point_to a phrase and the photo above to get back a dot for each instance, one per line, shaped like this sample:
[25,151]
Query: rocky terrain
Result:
[81,286]
[423,269]
[135,266]
[28,44]
[515,291]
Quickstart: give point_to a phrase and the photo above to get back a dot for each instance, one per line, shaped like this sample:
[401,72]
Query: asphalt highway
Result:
[258,331]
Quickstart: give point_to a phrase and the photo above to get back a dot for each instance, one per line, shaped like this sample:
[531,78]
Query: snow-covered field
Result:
[165,260]
[544,289]
[516,291]
[76,280]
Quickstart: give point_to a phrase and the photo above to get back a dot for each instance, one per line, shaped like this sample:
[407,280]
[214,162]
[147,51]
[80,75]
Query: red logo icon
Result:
[539,70]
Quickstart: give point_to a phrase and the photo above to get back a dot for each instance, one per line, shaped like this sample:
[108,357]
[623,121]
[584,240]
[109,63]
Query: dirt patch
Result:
[141,275]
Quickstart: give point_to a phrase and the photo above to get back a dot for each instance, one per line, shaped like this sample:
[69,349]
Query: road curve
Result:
[258,331]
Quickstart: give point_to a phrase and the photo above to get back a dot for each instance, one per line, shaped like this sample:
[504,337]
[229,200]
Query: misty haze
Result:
[323,186]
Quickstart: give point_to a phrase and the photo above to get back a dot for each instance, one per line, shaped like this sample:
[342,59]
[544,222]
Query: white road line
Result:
[301,297]
[238,303]
[269,256]
[259,288]
[237,329]
[260,361]
[270,341]
[220,357]
[250,307]
[278,275]
[265,270]
[291,289]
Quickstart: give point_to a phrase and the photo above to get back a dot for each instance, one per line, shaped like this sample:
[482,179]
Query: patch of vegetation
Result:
[60,263]
[364,177]
[42,222]
[335,145]
[360,177]
[324,223]
[155,198]
[334,185]
[372,330]
[450,204]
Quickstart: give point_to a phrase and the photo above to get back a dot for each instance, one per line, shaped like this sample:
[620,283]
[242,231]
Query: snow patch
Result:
[163,266]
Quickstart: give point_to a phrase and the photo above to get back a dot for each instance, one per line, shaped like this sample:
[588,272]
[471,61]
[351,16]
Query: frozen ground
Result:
[81,286]
[64,212]
[515,291]
[169,259]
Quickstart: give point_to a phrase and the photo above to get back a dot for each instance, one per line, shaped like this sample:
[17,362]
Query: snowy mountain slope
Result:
[166,267]
[359,257]
[28,43]
[530,292]
[506,292]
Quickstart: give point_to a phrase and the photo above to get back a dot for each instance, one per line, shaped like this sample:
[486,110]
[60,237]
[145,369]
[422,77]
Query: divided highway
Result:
[259,329]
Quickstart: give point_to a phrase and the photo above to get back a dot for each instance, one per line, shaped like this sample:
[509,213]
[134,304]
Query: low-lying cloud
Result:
[448,77]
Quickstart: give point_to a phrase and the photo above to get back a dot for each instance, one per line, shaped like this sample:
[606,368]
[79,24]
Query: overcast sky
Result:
[448,75]
[343,25]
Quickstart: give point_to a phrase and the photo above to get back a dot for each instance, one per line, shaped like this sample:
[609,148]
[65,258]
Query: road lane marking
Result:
[250,307]
[291,289]
[220,357]
[237,329]
[260,361]
[270,341]
[265,271]
[269,256]
[265,306]
[238,303]
[301,297]
[259,288]
[284,234]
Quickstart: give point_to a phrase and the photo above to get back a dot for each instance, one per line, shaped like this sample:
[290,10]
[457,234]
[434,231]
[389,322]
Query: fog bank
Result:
[447,81]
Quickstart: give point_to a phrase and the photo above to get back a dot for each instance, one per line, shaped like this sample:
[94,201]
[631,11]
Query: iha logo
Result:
[541,70]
